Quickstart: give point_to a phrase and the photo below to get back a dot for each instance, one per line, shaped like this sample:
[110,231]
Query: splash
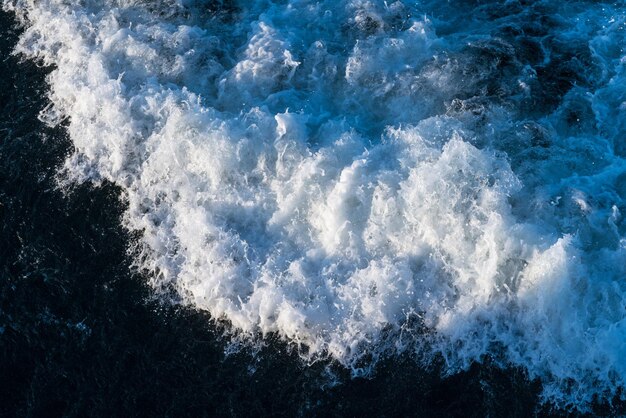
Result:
[330,171]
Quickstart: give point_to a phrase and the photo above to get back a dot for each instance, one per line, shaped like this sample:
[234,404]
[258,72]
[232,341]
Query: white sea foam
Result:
[329,170]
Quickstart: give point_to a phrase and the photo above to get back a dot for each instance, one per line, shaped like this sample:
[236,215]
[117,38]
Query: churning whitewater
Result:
[336,172]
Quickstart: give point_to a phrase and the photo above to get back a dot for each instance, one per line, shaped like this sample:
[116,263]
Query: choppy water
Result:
[364,180]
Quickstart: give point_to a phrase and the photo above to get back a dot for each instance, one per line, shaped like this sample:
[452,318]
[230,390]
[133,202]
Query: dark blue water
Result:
[80,335]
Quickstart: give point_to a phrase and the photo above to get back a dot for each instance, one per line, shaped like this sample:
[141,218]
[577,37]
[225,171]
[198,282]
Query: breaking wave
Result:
[338,172]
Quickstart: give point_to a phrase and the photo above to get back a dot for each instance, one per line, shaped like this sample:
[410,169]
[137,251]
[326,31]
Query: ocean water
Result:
[439,184]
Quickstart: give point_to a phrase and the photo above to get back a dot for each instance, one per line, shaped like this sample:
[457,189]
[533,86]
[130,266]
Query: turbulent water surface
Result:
[364,179]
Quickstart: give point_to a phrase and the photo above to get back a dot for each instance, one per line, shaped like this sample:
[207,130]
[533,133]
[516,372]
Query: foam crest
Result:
[335,172]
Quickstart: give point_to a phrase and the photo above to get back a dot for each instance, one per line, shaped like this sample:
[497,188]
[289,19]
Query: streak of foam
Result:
[330,171]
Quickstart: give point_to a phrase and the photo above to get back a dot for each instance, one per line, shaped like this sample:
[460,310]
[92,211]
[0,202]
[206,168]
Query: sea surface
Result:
[312,208]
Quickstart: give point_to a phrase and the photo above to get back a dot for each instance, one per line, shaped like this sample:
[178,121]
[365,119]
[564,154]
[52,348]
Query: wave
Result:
[338,172]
